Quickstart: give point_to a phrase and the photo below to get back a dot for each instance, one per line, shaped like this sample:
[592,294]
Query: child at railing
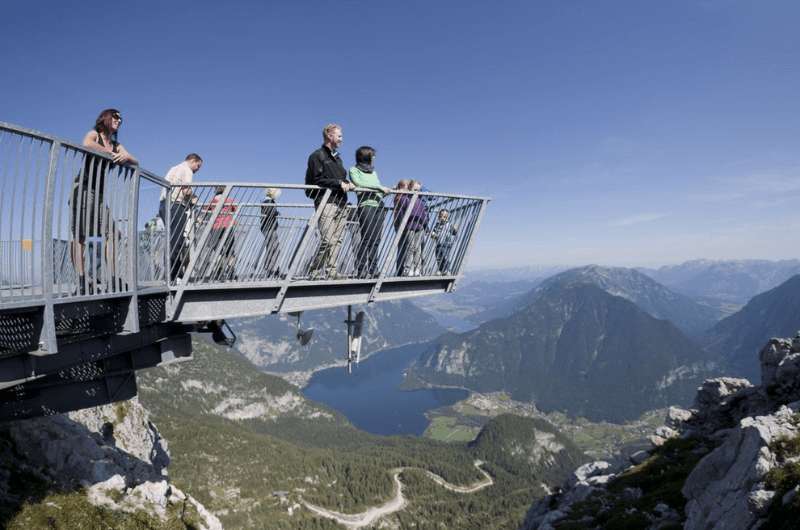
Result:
[444,233]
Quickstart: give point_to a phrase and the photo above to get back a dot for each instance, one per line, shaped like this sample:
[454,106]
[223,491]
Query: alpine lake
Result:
[371,397]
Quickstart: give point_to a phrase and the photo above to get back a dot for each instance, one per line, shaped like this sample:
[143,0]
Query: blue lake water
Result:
[371,399]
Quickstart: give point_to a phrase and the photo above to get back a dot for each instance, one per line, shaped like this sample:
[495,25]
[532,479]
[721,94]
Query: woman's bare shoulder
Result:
[91,136]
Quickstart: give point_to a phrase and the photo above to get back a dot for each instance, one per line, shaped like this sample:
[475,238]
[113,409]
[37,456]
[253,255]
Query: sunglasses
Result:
[116,117]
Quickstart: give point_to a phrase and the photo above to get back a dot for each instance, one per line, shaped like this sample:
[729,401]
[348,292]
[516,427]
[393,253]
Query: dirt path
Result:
[366,518]
[485,483]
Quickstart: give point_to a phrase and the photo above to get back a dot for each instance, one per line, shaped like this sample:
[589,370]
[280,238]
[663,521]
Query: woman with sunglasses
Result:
[90,215]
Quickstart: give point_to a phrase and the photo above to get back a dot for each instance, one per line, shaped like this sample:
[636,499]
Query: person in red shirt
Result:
[222,233]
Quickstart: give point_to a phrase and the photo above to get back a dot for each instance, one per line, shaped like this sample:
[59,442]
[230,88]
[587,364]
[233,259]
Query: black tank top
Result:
[96,167]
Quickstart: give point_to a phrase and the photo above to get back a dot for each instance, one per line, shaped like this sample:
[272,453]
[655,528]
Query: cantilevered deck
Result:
[106,269]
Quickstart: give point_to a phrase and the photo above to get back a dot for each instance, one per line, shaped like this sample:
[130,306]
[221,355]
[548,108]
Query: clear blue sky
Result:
[629,133]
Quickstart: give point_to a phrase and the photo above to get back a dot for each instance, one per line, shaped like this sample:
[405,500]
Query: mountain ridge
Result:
[568,334]
[773,313]
[732,281]
[656,299]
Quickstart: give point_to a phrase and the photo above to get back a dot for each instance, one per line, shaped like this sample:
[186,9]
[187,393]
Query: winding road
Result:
[366,518]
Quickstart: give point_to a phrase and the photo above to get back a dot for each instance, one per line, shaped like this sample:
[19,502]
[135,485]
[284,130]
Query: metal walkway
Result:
[106,269]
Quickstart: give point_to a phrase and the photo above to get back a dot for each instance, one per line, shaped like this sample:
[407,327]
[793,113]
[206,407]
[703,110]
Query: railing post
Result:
[132,319]
[471,241]
[176,300]
[168,234]
[48,343]
[393,249]
[297,258]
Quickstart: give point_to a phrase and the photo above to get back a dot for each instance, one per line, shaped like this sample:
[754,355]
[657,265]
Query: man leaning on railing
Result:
[181,201]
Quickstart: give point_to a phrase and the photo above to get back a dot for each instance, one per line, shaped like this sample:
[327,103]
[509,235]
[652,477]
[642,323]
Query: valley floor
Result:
[462,421]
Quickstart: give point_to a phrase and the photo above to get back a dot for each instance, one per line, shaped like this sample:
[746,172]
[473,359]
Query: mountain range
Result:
[659,301]
[580,345]
[733,281]
[603,343]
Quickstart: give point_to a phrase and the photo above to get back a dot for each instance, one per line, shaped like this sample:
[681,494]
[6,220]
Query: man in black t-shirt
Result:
[325,169]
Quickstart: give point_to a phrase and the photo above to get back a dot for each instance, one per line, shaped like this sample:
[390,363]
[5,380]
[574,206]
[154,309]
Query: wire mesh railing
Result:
[24,164]
[74,225]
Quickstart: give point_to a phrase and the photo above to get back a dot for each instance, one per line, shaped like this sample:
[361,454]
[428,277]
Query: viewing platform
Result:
[107,269]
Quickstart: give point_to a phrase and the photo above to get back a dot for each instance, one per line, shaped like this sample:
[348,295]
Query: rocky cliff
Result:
[101,467]
[730,462]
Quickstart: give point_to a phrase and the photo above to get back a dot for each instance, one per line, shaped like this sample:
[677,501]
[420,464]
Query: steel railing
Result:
[75,226]
[233,233]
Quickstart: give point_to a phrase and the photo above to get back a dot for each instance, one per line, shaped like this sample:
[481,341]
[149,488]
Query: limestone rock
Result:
[93,445]
[722,402]
[725,489]
[599,480]
[666,432]
[115,452]
[661,436]
[770,356]
[128,425]
[780,370]
[589,470]
[760,499]
[786,385]
[676,416]
[714,392]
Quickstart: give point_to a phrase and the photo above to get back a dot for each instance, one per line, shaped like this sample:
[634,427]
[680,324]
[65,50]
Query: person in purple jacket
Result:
[399,207]
[416,227]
